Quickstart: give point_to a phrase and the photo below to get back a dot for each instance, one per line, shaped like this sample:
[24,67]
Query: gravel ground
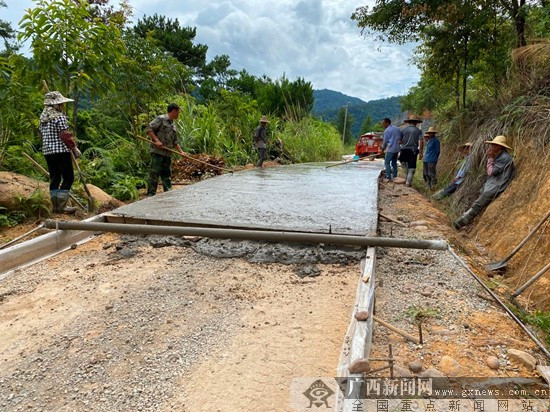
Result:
[457,316]
[135,323]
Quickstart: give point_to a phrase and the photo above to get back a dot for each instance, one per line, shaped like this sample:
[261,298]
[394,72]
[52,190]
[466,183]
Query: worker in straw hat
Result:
[430,157]
[500,172]
[260,140]
[460,174]
[57,145]
[410,140]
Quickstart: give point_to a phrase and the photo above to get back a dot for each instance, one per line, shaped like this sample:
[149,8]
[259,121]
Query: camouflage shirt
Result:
[165,130]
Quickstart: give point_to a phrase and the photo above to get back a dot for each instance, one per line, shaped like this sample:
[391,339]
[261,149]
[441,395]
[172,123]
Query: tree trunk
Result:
[465,72]
[457,88]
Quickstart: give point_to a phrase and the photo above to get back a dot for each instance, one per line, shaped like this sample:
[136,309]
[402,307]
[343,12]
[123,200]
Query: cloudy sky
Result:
[313,39]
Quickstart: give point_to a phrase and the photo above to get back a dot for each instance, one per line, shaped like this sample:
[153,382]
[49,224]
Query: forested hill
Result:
[327,103]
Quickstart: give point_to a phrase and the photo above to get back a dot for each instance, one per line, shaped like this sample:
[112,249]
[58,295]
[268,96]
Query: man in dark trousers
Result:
[410,140]
[500,172]
[430,158]
[164,134]
[260,140]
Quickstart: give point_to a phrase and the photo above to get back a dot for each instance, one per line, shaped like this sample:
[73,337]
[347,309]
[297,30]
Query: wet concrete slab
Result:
[306,197]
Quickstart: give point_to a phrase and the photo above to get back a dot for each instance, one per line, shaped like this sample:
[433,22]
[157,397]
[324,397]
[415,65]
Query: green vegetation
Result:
[537,318]
[419,313]
[121,76]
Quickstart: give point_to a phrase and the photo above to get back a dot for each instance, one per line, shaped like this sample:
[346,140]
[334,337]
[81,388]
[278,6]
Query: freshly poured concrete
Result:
[307,197]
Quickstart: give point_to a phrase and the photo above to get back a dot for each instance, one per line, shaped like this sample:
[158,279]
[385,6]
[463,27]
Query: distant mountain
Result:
[327,103]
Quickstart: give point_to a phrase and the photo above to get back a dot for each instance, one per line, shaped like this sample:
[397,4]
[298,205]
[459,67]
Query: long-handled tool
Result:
[501,264]
[45,172]
[352,161]
[185,156]
[24,235]
[91,206]
[531,281]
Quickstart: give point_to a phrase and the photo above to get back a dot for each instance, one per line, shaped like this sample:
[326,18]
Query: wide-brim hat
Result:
[264,119]
[432,130]
[499,140]
[412,119]
[53,98]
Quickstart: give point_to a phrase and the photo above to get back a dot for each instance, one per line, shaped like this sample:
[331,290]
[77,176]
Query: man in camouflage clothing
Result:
[163,132]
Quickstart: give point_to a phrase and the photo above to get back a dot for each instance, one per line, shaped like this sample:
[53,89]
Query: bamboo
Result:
[11,242]
[185,156]
[396,330]
[91,207]
[352,161]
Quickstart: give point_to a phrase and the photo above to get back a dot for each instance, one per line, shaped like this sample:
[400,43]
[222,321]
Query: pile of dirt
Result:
[13,185]
[186,169]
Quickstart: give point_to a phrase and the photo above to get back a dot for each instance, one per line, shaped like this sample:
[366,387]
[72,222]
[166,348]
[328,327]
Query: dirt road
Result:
[118,324]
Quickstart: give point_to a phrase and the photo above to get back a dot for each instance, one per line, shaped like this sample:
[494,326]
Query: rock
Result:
[428,291]
[524,358]
[432,373]
[415,366]
[308,270]
[103,200]
[449,366]
[493,362]
[362,315]
[360,365]
[13,185]
[401,372]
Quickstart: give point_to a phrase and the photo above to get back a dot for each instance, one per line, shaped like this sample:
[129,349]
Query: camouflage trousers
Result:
[160,167]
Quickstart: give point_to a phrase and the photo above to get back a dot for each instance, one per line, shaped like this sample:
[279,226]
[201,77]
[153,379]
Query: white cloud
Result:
[313,39]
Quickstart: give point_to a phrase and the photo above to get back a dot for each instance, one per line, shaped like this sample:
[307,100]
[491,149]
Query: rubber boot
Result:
[62,199]
[464,220]
[440,194]
[405,168]
[410,176]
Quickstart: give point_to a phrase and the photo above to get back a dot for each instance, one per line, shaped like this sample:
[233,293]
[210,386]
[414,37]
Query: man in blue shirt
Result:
[431,155]
[460,175]
[390,145]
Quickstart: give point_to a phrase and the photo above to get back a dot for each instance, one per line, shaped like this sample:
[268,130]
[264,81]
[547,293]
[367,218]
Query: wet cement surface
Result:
[306,197]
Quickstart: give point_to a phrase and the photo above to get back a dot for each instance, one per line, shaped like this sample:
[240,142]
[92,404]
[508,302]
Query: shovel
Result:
[502,263]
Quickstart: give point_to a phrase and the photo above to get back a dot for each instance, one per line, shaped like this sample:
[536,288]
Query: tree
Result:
[343,123]
[7,34]
[73,52]
[175,39]
[367,125]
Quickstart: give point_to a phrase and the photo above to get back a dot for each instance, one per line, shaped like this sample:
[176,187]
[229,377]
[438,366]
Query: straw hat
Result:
[53,98]
[413,119]
[432,130]
[499,140]
[264,119]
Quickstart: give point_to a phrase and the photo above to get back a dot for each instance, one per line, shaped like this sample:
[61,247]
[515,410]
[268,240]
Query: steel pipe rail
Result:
[258,235]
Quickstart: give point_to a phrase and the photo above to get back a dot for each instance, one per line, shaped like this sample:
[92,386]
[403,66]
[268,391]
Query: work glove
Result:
[77,153]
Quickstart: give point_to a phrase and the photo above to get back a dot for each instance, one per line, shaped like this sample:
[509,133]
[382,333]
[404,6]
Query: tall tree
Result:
[7,33]
[176,39]
[73,52]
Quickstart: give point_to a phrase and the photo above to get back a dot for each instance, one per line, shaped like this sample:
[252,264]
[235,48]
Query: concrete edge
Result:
[25,254]
[358,339]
